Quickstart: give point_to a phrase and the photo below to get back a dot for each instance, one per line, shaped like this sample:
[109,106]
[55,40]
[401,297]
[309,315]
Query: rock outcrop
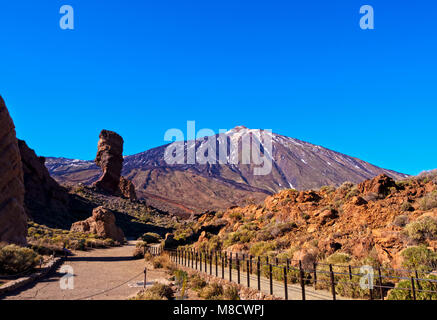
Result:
[361,221]
[127,189]
[379,185]
[13,219]
[110,159]
[45,200]
[102,223]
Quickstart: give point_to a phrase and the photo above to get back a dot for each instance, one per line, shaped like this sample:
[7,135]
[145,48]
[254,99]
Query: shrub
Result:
[339,258]
[151,237]
[406,206]
[213,291]
[403,291]
[327,189]
[197,283]
[429,201]
[162,262]
[158,291]
[419,258]
[231,293]
[420,230]
[346,186]
[180,277]
[138,252]
[352,193]
[236,216]
[260,248]
[15,259]
[243,236]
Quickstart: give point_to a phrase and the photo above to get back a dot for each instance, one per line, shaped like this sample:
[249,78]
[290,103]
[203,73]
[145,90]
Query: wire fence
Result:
[350,281]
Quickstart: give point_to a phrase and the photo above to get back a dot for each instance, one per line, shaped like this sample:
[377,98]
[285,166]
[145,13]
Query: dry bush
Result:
[15,259]
[158,291]
[421,230]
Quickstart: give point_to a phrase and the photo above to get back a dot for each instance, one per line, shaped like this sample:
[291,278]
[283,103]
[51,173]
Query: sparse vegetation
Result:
[158,291]
[419,258]
[429,201]
[423,229]
[151,237]
[15,259]
[47,240]
[213,291]
[403,290]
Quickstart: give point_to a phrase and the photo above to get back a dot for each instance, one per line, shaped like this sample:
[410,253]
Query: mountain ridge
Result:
[197,187]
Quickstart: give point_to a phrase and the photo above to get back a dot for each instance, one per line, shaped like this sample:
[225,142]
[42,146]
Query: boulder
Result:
[380,185]
[101,223]
[13,219]
[127,189]
[307,257]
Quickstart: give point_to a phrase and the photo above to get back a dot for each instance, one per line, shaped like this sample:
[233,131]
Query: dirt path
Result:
[100,274]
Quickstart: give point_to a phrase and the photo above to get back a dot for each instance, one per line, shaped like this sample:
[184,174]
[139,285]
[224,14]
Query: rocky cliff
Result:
[46,202]
[13,220]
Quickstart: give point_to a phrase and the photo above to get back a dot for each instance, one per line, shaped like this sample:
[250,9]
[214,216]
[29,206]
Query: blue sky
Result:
[304,70]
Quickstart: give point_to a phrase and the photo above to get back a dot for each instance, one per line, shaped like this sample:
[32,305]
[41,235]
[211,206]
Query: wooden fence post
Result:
[251,270]
[381,292]
[200,261]
[285,283]
[145,277]
[314,275]
[216,264]
[271,278]
[206,261]
[248,273]
[258,273]
[302,282]
[413,288]
[238,268]
[223,267]
[210,263]
[230,267]
[350,272]
[332,282]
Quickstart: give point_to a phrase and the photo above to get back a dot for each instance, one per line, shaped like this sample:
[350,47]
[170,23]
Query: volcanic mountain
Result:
[183,189]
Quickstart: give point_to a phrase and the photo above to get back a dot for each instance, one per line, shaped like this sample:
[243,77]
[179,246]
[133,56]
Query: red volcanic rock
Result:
[45,200]
[101,223]
[110,159]
[13,219]
[380,185]
[127,189]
